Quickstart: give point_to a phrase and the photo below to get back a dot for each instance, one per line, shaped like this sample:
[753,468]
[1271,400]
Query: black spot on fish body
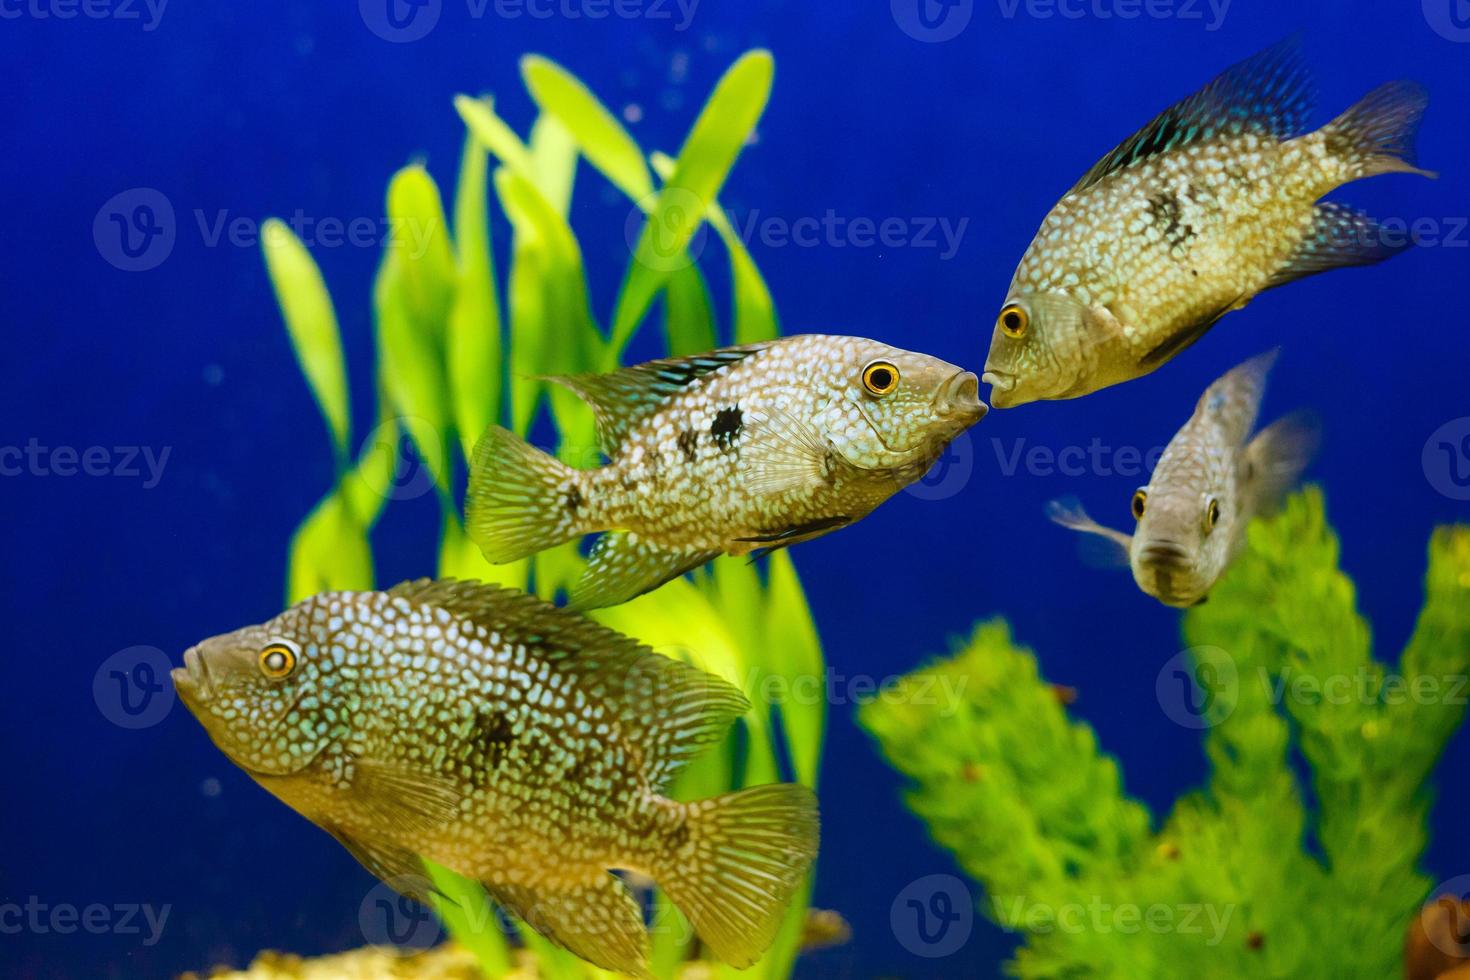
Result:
[679,836]
[689,444]
[726,427]
[1166,209]
[574,500]
[495,736]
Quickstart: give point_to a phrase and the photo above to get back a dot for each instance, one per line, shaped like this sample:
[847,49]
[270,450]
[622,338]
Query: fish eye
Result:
[1013,321]
[1212,515]
[277,660]
[880,377]
[1140,501]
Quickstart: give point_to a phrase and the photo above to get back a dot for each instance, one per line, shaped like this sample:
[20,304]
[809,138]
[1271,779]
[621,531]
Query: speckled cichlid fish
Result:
[515,743]
[1209,204]
[738,450]
[1208,484]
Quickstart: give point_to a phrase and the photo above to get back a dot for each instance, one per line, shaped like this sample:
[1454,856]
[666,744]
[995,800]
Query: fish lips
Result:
[192,680]
[1001,386]
[959,398]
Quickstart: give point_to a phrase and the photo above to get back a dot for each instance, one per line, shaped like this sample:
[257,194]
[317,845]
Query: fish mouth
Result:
[960,396]
[193,678]
[1001,386]
[1164,555]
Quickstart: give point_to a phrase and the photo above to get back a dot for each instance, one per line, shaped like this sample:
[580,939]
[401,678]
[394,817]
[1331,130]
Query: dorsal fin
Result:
[669,709]
[621,399]
[1233,400]
[1269,93]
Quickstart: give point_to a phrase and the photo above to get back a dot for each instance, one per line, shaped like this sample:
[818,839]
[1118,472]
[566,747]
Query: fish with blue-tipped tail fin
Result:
[1214,201]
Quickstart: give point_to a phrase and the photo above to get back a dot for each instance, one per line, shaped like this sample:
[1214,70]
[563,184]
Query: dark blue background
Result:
[264,108]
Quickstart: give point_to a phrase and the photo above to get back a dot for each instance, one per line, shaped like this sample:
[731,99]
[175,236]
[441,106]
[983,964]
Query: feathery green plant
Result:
[1035,812]
[449,363]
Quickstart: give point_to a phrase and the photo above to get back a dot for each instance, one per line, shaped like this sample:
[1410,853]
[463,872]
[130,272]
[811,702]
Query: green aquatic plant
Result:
[1272,885]
[458,348]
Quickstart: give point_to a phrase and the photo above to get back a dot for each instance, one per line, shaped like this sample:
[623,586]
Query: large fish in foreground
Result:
[513,742]
[738,450]
[1214,201]
[1210,481]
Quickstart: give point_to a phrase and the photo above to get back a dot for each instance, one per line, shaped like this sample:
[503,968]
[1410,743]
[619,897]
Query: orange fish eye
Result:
[1212,515]
[277,661]
[880,377]
[1013,321]
[1140,501]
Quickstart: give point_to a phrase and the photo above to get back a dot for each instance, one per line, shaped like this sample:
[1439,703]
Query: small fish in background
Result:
[1208,205]
[1207,486]
[740,450]
[515,743]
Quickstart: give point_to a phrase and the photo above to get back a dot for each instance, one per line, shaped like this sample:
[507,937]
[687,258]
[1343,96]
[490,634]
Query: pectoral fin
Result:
[411,799]
[1113,546]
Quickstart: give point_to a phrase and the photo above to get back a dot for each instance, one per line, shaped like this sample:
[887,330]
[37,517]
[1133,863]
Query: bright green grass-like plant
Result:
[458,349]
[1036,813]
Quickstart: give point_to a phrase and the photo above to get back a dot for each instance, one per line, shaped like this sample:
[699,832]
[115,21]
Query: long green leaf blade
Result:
[704,163]
[311,322]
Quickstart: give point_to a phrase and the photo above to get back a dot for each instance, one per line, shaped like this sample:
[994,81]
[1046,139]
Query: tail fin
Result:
[1376,136]
[748,852]
[520,500]
[1278,454]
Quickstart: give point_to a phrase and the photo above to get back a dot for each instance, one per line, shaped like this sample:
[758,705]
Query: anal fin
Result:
[1340,237]
[598,921]
[624,565]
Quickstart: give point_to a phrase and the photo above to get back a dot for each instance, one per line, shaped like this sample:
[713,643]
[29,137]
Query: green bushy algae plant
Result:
[1035,812]
[449,363]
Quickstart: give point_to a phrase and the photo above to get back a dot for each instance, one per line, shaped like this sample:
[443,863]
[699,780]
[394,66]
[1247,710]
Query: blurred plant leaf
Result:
[311,323]
[472,344]
[754,312]
[467,913]
[420,246]
[602,139]
[704,162]
[493,133]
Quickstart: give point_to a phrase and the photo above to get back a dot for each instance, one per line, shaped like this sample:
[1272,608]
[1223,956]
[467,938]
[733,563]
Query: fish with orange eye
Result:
[739,450]
[1214,201]
[1212,478]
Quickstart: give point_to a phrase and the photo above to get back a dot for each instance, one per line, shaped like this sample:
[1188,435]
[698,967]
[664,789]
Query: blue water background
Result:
[268,107]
